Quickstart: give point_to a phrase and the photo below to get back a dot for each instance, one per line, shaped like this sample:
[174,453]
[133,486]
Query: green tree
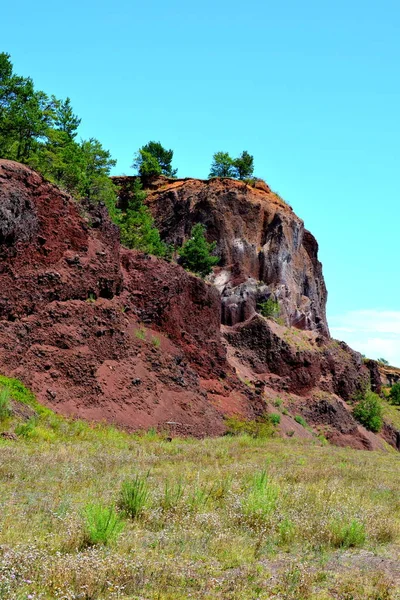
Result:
[154,159]
[40,132]
[196,252]
[222,165]
[244,165]
[395,394]
[137,225]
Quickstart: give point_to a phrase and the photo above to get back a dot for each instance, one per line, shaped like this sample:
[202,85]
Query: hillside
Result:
[110,334]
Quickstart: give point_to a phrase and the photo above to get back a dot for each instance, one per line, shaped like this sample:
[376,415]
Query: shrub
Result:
[275,418]
[5,405]
[262,428]
[368,412]
[301,420]
[102,525]
[196,252]
[270,308]
[134,496]
[394,394]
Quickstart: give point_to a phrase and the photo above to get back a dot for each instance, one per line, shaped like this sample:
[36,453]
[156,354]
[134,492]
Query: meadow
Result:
[92,512]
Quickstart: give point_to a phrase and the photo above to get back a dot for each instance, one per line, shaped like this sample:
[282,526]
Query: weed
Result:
[140,333]
[102,525]
[347,535]
[134,496]
[5,404]
[173,493]
[301,420]
[261,498]
[155,341]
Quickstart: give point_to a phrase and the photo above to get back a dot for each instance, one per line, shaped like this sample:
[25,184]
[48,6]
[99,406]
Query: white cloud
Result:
[372,332]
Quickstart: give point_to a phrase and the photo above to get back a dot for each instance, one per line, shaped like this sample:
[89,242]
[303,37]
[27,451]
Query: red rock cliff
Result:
[263,246]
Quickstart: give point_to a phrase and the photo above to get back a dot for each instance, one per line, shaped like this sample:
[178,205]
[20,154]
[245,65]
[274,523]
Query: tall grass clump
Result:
[134,496]
[102,525]
[261,499]
[347,535]
[5,404]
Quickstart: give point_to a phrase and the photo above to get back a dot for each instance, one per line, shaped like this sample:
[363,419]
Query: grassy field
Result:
[92,513]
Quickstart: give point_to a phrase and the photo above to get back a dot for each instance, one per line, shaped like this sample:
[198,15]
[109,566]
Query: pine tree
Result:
[137,225]
[196,253]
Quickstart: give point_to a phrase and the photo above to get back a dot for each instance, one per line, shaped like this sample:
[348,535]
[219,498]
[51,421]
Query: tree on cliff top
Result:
[196,252]
[244,165]
[224,165]
[154,159]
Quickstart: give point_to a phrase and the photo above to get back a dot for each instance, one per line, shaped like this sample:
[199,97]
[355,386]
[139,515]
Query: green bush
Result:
[270,308]
[102,525]
[134,496]
[275,418]
[394,394]
[5,404]
[368,412]
[301,420]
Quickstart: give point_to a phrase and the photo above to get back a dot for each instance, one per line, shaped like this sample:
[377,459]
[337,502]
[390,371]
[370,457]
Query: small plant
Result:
[348,535]
[5,404]
[368,412]
[134,496]
[156,341]
[91,298]
[270,308]
[27,430]
[261,499]
[275,418]
[140,333]
[394,394]
[277,402]
[300,420]
[102,525]
[173,494]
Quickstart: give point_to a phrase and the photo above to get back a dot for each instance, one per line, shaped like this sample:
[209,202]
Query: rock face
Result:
[101,332]
[263,247]
[105,333]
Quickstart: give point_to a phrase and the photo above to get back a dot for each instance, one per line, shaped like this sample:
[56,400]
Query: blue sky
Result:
[310,88]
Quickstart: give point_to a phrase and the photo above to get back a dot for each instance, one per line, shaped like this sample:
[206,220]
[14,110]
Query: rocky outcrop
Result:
[105,333]
[102,332]
[263,246]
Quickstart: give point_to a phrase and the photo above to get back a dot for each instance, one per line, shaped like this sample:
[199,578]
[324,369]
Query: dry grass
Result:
[234,517]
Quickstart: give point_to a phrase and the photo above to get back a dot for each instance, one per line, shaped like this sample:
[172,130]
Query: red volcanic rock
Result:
[106,333]
[102,332]
[263,245]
